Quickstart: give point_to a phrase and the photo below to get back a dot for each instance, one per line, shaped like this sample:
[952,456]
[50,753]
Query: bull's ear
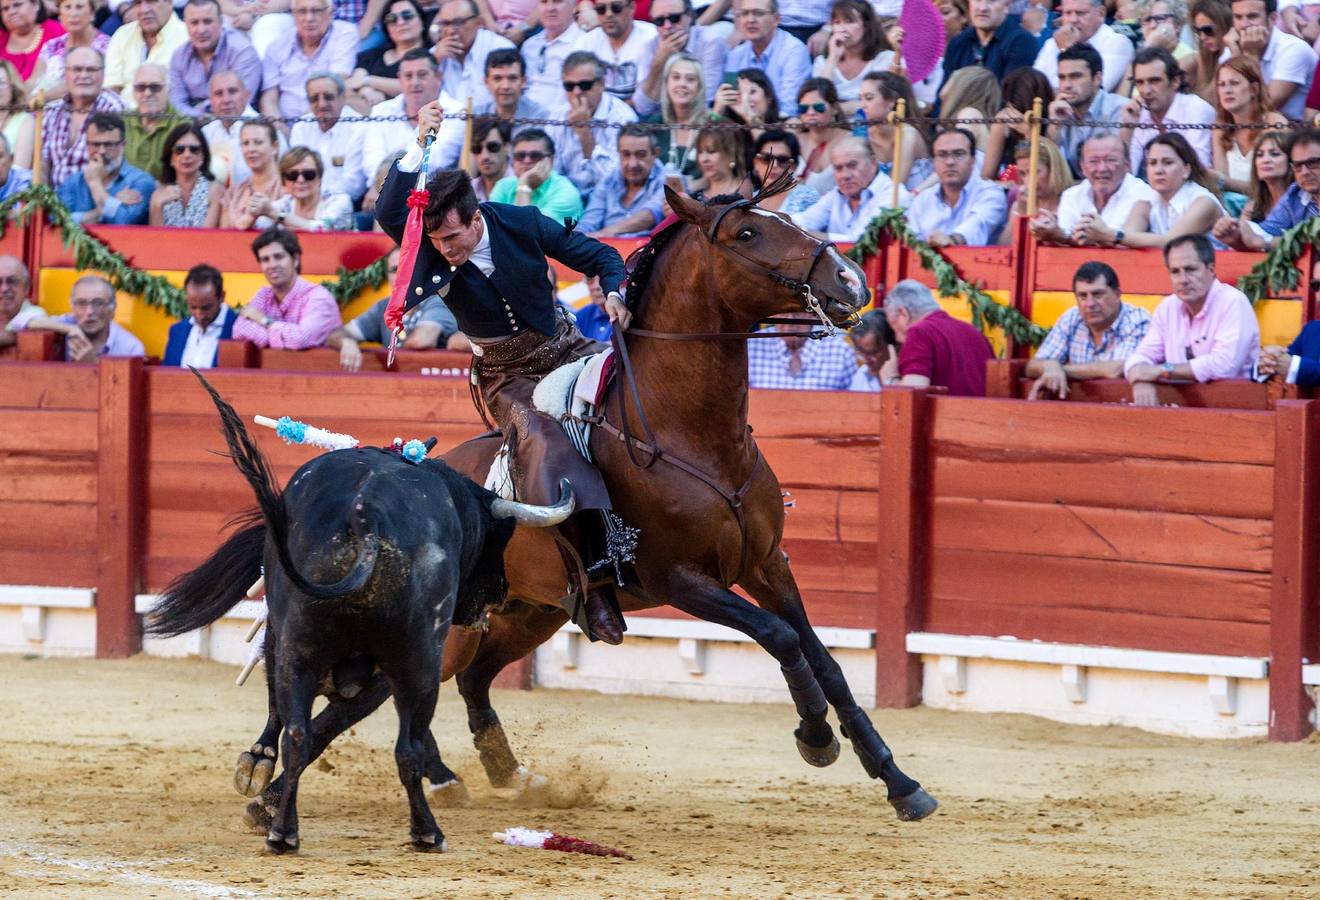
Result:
[688,209]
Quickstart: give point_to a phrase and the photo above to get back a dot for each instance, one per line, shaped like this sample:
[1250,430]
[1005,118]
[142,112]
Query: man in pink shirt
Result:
[1205,330]
[292,313]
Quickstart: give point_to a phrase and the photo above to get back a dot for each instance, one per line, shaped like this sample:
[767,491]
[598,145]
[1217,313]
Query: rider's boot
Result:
[597,614]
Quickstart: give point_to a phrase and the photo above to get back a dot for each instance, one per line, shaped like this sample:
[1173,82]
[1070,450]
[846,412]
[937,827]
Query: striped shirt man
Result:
[1069,342]
[63,155]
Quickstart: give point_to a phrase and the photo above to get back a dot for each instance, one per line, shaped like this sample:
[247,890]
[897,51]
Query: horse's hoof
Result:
[254,771]
[453,794]
[915,806]
[430,843]
[820,757]
[257,817]
[280,844]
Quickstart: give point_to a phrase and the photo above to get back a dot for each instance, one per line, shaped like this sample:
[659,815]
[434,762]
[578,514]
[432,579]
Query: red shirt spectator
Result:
[937,348]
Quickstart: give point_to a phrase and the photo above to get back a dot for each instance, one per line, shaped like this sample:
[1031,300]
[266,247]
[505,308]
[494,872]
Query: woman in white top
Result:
[1184,204]
[304,206]
[1241,98]
[880,93]
[857,45]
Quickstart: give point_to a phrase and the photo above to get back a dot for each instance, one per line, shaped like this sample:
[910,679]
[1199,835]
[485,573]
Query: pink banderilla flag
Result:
[408,248]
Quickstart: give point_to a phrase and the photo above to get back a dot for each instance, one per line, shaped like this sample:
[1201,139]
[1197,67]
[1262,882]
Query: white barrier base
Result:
[47,621]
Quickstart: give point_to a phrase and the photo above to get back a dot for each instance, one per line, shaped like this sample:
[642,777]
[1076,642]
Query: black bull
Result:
[366,556]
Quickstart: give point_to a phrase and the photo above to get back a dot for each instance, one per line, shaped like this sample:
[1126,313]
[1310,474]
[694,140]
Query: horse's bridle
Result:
[801,286]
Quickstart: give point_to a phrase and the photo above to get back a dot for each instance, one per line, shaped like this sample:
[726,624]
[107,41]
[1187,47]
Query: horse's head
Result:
[785,268]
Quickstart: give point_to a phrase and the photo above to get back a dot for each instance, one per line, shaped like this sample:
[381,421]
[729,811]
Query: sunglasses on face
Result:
[180,149]
[442,24]
[406,15]
[149,88]
[489,147]
[813,107]
[775,159]
[301,175]
[584,86]
[671,19]
[531,156]
[1205,30]
[1309,165]
[612,8]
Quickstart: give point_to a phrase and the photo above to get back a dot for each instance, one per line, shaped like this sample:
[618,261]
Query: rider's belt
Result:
[529,353]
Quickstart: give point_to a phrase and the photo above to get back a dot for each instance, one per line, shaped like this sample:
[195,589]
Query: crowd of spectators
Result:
[206,113]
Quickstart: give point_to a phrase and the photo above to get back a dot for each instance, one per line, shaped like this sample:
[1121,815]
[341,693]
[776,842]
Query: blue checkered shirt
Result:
[827,365]
[1069,341]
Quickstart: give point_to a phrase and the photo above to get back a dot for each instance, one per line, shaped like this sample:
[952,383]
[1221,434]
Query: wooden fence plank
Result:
[47,386]
[48,431]
[1136,483]
[120,480]
[1080,431]
[1091,532]
[48,479]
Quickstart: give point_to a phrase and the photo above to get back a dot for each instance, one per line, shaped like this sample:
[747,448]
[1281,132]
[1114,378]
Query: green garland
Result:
[90,253]
[985,311]
[1277,272]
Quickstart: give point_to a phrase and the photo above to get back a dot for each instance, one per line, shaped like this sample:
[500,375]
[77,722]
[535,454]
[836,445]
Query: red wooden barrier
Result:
[1004,378]
[121,479]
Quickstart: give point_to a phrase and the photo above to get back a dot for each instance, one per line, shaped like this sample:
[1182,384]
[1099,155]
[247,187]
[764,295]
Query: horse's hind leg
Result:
[514,633]
[773,586]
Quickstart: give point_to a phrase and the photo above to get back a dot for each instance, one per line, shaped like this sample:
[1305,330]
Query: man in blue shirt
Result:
[631,200]
[108,190]
[993,40]
[964,209]
[783,58]
[12,178]
[1300,202]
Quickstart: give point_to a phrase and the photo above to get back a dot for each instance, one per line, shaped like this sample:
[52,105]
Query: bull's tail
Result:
[203,595]
[252,463]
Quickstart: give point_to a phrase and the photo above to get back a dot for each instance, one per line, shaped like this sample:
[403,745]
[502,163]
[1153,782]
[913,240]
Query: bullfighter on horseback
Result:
[488,262]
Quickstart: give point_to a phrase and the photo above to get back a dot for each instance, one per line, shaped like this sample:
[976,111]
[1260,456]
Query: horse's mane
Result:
[641,262]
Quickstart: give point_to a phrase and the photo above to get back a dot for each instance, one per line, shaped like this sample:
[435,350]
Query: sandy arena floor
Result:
[116,783]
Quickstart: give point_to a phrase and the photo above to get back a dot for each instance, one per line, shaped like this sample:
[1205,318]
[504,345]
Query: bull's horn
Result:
[537,516]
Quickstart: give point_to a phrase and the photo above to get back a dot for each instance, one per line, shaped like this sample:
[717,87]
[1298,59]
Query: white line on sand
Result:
[121,871]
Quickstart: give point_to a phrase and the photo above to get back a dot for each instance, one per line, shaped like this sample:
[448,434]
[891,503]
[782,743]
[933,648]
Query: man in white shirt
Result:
[196,340]
[585,154]
[1286,62]
[1109,193]
[230,99]
[860,191]
[461,48]
[338,143]
[419,77]
[545,51]
[675,22]
[964,209]
[1159,81]
[1083,21]
[624,45]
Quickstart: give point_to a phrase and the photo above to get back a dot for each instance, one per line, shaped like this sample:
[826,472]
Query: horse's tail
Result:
[203,595]
[252,463]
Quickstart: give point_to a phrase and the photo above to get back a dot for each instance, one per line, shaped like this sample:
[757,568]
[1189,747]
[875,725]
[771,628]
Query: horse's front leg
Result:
[772,585]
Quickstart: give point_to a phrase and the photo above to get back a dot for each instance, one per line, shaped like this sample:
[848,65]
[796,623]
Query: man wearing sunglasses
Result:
[211,48]
[545,51]
[535,182]
[144,141]
[679,33]
[461,48]
[1299,203]
[782,57]
[488,262]
[624,45]
[108,191]
[339,143]
[588,155]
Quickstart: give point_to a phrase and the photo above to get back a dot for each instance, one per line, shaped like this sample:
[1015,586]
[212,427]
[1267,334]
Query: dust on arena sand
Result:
[117,782]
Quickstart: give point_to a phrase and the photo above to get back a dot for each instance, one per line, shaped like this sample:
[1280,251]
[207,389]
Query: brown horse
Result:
[709,508]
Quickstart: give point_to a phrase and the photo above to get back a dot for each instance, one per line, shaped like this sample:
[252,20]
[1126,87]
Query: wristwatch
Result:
[1166,371]
[1119,234]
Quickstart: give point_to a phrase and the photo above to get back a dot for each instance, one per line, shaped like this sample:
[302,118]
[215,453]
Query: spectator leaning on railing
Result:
[90,331]
[1091,339]
[937,349]
[1205,330]
[195,341]
[16,310]
[290,313]
[797,364]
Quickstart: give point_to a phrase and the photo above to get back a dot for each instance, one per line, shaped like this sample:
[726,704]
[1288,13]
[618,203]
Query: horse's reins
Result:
[651,446]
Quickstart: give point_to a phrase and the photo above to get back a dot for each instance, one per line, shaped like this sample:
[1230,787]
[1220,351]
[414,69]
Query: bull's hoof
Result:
[258,817]
[453,794]
[820,757]
[430,843]
[532,789]
[255,769]
[280,844]
[915,806]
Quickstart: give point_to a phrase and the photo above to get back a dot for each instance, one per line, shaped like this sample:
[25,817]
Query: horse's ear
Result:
[686,208]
